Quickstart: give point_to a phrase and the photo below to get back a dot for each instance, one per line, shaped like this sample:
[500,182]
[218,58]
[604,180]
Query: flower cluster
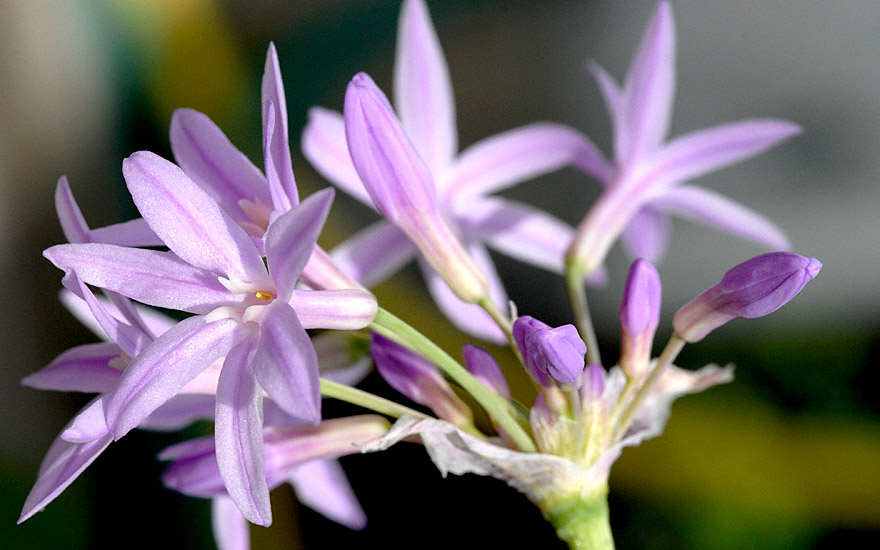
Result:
[233,249]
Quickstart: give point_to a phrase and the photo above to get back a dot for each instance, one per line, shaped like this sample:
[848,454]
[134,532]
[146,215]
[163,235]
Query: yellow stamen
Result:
[265,296]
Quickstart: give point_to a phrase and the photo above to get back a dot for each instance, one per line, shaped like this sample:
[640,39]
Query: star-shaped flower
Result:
[462,182]
[246,310]
[644,179]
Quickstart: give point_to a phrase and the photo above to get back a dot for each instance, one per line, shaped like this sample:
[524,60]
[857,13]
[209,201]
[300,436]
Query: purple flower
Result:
[250,198]
[246,310]
[639,315]
[644,179]
[419,380]
[557,353]
[754,288]
[459,185]
[303,456]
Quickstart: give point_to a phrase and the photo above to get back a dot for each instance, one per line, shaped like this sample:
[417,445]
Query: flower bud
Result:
[419,380]
[400,185]
[485,369]
[752,289]
[556,353]
[639,315]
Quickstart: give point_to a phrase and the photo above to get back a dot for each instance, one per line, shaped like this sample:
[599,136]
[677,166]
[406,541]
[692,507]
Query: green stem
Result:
[670,352]
[366,400]
[574,280]
[582,522]
[496,406]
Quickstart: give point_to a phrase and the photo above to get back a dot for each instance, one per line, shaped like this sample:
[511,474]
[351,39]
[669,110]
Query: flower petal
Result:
[649,90]
[131,233]
[422,88]
[322,486]
[715,210]
[519,231]
[613,97]
[74,225]
[231,531]
[89,424]
[291,239]
[506,159]
[334,309]
[374,253]
[165,366]
[238,434]
[84,368]
[698,153]
[156,278]
[286,365]
[214,163]
[188,220]
[64,462]
[324,145]
[646,235]
[277,142]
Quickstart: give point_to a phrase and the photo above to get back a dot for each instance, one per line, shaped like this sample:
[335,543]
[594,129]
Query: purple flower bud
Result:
[419,380]
[400,185]
[485,369]
[549,352]
[639,315]
[593,385]
[752,289]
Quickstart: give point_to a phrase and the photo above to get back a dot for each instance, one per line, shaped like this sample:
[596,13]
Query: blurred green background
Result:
[786,457]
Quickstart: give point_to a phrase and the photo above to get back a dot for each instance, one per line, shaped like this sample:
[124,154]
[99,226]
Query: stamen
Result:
[265,296]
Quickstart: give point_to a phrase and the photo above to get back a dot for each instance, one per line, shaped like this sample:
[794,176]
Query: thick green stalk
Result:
[496,406]
[582,522]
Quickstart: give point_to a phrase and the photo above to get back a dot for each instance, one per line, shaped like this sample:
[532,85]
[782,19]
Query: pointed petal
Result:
[423,89]
[286,364]
[649,91]
[131,233]
[231,530]
[214,163]
[710,208]
[84,368]
[277,143]
[188,220]
[324,145]
[519,231]
[392,171]
[334,309]
[64,462]
[129,339]
[469,318]
[164,367]
[74,225]
[322,486]
[692,155]
[88,425]
[291,239]
[647,234]
[280,201]
[517,155]
[156,278]
[238,434]
[613,97]
[374,253]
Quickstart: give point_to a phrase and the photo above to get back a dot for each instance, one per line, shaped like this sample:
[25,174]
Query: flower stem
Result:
[582,522]
[496,406]
[574,280]
[670,352]
[366,400]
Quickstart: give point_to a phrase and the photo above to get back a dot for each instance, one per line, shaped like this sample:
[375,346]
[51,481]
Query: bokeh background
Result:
[788,456]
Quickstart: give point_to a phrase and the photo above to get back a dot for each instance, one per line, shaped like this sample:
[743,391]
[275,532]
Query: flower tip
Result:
[640,308]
